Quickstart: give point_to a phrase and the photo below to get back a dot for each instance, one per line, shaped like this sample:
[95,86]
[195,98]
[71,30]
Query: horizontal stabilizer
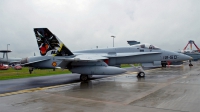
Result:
[24,63]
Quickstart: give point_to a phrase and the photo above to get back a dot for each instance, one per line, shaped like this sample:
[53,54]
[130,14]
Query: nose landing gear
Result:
[190,64]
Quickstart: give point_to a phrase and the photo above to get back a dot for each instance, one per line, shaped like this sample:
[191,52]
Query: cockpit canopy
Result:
[146,46]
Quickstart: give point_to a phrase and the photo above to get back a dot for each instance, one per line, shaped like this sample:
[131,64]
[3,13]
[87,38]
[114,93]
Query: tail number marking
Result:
[170,57]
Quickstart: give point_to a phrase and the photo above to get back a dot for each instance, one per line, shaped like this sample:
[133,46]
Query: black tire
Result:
[84,77]
[190,64]
[141,74]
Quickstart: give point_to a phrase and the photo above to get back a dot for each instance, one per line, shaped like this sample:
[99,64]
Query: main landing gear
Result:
[141,73]
[164,65]
[84,77]
[30,70]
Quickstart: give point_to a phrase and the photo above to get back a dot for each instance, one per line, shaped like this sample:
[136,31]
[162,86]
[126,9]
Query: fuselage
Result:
[137,55]
[152,55]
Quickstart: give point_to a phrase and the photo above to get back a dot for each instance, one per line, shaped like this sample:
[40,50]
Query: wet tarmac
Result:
[171,89]
[46,81]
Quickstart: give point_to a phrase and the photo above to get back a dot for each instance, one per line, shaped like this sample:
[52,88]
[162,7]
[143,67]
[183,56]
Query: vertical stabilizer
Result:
[49,43]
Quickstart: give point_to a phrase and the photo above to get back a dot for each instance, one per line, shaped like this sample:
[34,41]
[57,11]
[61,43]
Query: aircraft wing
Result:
[97,57]
[82,59]
[85,57]
[90,58]
[130,54]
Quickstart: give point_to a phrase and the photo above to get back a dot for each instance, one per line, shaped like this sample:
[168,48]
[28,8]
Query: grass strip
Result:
[24,73]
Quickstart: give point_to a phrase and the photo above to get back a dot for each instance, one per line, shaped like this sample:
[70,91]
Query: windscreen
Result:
[146,46]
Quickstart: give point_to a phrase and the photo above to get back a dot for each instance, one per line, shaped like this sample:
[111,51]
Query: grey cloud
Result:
[86,24]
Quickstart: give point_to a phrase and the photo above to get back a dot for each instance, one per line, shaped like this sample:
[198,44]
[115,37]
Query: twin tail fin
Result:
[48,43]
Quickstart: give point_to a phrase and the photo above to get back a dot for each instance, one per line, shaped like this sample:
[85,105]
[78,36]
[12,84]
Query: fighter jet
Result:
[6,59]
[96,61]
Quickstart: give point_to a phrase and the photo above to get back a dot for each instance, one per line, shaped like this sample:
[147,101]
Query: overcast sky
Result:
[85,24]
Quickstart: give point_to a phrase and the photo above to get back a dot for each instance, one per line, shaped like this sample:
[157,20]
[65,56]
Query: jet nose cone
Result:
[123,71]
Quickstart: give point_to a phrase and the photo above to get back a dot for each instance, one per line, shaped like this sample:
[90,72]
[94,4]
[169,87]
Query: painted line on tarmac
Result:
[32,90]
[21,91]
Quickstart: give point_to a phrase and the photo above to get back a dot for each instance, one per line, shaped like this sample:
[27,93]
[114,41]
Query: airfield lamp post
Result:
[113,40]
[7,46]
[7,52]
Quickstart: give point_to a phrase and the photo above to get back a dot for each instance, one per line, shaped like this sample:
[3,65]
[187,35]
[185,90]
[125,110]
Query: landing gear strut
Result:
[164,64]
[30,70]
[140,70]
[190,64]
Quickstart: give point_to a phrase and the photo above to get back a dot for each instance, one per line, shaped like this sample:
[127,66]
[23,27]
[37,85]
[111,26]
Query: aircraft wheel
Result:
[190,64]
[84,77]
[141,74]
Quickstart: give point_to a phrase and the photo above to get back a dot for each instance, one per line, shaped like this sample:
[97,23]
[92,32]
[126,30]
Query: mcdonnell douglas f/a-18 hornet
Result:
[95,61]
